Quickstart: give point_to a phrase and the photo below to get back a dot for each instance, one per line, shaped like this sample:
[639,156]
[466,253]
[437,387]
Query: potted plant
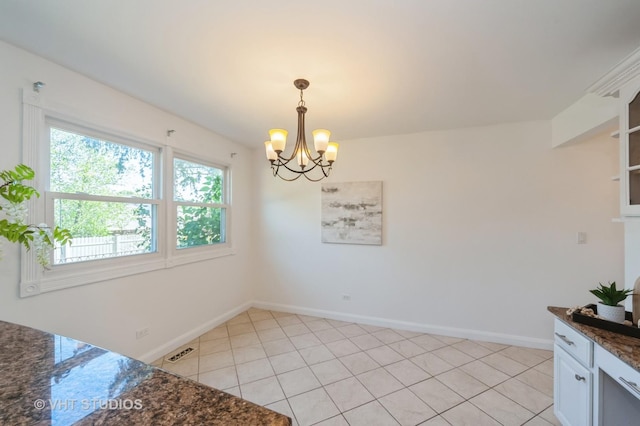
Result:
[610,297]
[13,212]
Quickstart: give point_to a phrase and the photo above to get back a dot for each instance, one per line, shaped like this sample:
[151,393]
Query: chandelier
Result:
[305,162]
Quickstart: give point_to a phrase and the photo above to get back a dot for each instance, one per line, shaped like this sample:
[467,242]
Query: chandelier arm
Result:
[298,171]
[296,177]
[324,175]
[326,171]
[317,162]
[301,142]
[276,168]
[285,160]
[306,175]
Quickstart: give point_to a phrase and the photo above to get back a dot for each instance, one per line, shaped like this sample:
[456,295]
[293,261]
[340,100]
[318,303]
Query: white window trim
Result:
[195,254]
[34,279]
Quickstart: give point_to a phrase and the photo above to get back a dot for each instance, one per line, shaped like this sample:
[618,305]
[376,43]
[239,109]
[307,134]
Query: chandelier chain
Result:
[301,103]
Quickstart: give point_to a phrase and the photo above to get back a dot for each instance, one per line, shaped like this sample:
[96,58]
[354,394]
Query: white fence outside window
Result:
[81,249]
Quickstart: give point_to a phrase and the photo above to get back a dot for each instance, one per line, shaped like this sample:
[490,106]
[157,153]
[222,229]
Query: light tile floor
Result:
[327,372]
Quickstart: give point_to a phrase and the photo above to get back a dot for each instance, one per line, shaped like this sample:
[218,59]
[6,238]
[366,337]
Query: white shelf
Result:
[615,178]
[617,220]
[615,134]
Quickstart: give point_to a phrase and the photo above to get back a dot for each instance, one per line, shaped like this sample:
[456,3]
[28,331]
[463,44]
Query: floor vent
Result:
[177,356]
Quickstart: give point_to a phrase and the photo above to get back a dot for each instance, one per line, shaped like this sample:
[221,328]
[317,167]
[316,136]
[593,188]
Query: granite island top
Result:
[627,348]
[48,379]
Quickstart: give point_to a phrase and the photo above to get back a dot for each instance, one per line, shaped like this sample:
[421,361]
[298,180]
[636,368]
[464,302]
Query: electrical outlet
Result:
[142,332]
[346,297]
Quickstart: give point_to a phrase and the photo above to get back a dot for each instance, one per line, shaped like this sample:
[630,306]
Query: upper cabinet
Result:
[630,149]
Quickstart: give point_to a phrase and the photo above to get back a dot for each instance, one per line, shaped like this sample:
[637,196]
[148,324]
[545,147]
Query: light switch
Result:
[582,238]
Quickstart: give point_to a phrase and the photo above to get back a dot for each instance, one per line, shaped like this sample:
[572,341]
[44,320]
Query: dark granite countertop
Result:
[47,379]
[626,348]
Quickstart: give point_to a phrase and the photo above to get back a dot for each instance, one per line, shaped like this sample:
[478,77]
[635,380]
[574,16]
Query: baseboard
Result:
[506,339]
[192,334]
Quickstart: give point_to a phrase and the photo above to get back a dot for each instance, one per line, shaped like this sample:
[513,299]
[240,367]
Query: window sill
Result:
[58,278]
[198,256]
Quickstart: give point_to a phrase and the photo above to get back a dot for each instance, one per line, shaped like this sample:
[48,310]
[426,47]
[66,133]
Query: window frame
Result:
[38,117]
[203,252]
[155,200]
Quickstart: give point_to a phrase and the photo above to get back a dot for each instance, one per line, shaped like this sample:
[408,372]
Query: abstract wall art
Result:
[352,213]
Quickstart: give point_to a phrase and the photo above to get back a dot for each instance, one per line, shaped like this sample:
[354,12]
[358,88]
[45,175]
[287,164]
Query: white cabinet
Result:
[591,386]
[573,377]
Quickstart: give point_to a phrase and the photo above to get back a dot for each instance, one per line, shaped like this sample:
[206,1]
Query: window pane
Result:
[634,148]
[199,226]
[81,164]
[634,112]
[102,230]
[196,183]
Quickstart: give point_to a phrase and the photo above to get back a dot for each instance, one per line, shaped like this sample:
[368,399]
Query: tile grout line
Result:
[337,325]
[432,376]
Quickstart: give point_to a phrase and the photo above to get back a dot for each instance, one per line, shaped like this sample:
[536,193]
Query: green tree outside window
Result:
[13,205]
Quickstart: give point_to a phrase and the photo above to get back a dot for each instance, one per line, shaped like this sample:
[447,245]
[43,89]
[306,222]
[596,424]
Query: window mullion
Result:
[195,204]
[104,198]
[169,203]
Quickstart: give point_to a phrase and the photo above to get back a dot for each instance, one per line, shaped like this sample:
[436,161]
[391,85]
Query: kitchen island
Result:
[51,379]
[596,374]
[626,348]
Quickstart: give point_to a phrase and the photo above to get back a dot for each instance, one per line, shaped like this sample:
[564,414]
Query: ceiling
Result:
[376,67]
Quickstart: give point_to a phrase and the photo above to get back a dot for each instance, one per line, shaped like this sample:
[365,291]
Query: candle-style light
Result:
[322,162]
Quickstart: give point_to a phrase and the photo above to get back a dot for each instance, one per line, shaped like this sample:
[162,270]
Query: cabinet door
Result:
[630,149]
[572,390]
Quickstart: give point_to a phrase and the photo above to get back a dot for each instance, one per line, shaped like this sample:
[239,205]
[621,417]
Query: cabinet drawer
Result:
[574,343]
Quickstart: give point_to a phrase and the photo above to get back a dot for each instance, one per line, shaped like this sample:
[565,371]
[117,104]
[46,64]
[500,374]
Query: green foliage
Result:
[25,234]
[198,225]
[80,164]
[13,228]
[610,295]
[12,190]
[61,236]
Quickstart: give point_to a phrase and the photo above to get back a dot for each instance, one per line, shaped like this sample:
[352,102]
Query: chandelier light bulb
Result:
[321,140]
[332,152]
[303,160]
[271,154]
[278,139]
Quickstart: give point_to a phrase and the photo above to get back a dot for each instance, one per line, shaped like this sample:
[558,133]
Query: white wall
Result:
[479,231]
[173,303]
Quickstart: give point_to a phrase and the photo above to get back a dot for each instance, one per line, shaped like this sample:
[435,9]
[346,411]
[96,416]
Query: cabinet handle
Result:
[580,378]
[564,339]
[632,385]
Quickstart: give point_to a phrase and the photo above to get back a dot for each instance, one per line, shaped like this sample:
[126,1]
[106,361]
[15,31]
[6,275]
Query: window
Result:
[104,193]
[199,197]
[131,205]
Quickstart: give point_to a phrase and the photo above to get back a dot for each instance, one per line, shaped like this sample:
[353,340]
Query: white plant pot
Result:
[611,313]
